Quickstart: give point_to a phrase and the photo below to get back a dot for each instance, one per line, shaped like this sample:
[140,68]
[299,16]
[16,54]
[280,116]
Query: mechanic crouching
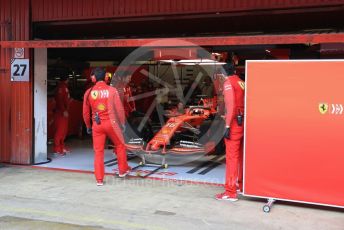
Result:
[102,105]
[234,92]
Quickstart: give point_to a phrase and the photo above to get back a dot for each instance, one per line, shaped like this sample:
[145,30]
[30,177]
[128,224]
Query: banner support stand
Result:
[267,207]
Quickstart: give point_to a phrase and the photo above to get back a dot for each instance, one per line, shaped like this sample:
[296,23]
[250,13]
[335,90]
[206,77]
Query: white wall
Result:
[40,105]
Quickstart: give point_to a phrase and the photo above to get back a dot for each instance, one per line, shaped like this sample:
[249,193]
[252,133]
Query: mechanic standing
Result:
[125,92]
[234,92]
[61,116]
[108,77]
[102,106]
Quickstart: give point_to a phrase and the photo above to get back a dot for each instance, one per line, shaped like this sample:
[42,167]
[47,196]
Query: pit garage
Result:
[160,80]
[167,81]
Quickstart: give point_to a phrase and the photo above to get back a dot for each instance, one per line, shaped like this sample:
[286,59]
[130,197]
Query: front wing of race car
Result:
[177,155]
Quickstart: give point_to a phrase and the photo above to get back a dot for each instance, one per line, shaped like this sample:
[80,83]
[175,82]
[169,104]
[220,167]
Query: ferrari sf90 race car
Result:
[185,137]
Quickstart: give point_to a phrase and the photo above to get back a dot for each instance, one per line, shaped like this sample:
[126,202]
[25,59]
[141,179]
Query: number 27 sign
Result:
[20,70]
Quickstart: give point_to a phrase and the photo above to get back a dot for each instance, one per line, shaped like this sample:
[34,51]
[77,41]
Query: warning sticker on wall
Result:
[19,52]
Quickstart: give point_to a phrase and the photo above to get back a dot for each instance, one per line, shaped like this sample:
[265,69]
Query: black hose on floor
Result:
[44,162]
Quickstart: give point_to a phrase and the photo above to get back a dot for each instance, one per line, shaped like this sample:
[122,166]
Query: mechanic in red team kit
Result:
[103,106]
[61,116]
[234,92]
[124,91]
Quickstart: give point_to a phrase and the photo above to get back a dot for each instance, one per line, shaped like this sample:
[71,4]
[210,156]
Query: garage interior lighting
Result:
[194,62]
[168,61]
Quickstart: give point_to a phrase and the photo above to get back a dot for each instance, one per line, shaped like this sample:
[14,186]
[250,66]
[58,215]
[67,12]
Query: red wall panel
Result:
[52,10]
[16,99]
[5,54]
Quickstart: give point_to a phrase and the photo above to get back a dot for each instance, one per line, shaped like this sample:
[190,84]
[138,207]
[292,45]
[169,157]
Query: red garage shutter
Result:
[63,10]
[15,97]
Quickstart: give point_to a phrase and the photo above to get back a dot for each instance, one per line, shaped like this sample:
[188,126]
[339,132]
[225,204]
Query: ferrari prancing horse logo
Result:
[323,108]
[242,84]
[94,94]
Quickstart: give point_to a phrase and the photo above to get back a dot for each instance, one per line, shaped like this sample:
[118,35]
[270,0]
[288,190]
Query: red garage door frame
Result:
[183,41]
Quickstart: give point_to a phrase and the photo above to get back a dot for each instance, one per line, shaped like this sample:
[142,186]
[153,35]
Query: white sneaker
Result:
[66,151]
[125,174]
[59,154]
[100,183]
[226,196]
[233,199]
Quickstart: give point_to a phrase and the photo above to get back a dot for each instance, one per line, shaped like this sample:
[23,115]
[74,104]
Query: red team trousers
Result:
[99,134]
[61,129]
[234,161]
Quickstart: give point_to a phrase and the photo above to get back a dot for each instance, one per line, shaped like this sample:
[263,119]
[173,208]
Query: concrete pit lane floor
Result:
[37,198]
[9,222]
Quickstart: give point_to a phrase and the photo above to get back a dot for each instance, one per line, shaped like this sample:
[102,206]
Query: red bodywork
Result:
[163,137]
[193,118]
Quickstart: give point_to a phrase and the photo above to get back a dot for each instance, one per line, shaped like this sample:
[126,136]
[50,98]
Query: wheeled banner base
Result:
[267,207]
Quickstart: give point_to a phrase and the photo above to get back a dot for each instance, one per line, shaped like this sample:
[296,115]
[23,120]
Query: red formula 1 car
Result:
[183,138]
